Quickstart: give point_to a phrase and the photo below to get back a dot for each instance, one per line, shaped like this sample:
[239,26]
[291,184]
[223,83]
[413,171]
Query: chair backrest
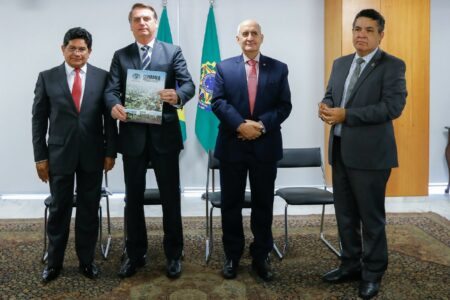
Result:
[300,158]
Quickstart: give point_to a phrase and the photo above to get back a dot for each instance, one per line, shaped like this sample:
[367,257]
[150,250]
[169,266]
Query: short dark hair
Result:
[78,33]
[371,14]
[142,5]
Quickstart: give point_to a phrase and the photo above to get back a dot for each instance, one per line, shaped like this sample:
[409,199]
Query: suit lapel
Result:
[242,81]
[264,70]
[373,63]
[341,77]
[89,84]
[134,54]
[62,78]
[156,53]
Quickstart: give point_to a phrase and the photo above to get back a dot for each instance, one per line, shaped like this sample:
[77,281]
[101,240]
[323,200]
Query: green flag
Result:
[165,35]
[206,123]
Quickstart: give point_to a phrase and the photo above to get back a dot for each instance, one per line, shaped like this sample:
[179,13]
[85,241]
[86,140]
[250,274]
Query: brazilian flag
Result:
[165,35]
[206,123]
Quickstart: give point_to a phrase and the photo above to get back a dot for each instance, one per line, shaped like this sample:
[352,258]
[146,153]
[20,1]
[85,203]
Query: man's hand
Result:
[118,113]
[109,163]
[249,130]
[43,170]
[333,115]
[169,96]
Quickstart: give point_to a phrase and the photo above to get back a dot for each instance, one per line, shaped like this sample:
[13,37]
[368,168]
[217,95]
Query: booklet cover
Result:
[142,101]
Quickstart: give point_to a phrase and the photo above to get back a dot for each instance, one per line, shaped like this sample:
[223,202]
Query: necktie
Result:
[146,56]
[76,89]
[351,86]
[353,80]
[252,83]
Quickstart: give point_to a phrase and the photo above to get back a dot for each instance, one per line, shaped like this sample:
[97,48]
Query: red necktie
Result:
[252,83]
[76,89]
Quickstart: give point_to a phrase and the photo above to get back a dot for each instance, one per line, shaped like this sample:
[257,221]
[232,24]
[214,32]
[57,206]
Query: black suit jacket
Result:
[379,96]
[74,139]
[167,58]
[231,106]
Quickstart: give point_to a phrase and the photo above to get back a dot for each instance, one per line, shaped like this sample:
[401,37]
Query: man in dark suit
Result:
[251,98]
[140,143]
[366,91]
[81,142]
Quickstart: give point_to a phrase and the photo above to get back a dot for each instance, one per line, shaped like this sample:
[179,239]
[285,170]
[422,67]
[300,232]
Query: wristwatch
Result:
[262,128]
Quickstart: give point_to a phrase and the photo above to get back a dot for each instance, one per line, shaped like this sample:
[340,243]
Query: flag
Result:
[206,123]
[165,35]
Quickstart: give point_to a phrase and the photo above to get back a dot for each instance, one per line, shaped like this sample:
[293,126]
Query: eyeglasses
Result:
[81,50]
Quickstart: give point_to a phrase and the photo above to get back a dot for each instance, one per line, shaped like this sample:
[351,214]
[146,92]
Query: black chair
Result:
[304,158]
[213,197]
[151,197]
[104,246]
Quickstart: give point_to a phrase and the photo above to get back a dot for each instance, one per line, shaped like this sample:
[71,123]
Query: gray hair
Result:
[248,21]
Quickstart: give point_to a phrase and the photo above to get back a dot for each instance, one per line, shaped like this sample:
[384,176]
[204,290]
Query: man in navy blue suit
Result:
[251,98]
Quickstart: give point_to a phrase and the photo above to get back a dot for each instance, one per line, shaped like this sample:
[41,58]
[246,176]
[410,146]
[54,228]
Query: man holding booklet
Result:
[140,143]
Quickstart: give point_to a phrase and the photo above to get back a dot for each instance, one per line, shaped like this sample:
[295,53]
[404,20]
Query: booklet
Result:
[142,101]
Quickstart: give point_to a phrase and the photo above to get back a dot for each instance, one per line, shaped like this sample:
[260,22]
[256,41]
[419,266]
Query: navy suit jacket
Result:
[231,106]
[166,58]
[379,96]
[74,139]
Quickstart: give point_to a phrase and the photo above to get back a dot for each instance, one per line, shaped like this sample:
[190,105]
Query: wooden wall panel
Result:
[406,36]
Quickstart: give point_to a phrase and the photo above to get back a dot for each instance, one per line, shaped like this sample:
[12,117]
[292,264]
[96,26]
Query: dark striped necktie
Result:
[146,56]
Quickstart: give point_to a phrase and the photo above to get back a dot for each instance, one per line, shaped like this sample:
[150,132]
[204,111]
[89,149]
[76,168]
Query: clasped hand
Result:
[249,130]
[331,115]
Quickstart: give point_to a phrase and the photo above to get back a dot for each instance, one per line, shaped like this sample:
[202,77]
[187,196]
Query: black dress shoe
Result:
[341,275]
[90,271]
[368,289]
[50,274]
[130,267]
[263,269]
[229,270]
[173,268]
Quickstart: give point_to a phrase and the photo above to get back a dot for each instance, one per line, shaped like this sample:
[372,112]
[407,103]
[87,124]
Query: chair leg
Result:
[100,229]
[105,249]
[285,247]
[322,235]
[277,251]
[45,253]
[207,250]
[211,241]
[124,249]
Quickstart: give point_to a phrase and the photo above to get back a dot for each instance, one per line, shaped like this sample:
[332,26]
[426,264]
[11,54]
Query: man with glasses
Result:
[69,107]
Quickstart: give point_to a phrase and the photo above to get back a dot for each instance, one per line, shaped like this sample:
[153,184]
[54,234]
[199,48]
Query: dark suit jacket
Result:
[379,96]
[231,106]
[74,139]
[167,58]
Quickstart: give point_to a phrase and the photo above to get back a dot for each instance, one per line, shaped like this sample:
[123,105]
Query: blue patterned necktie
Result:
[146,56]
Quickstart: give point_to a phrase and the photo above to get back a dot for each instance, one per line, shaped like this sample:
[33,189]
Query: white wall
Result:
[439,89]
[32,31]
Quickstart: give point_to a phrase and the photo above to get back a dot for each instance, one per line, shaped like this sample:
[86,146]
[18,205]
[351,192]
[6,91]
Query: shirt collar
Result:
[151,44]
[246,59]
[70,69]
[366,58]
